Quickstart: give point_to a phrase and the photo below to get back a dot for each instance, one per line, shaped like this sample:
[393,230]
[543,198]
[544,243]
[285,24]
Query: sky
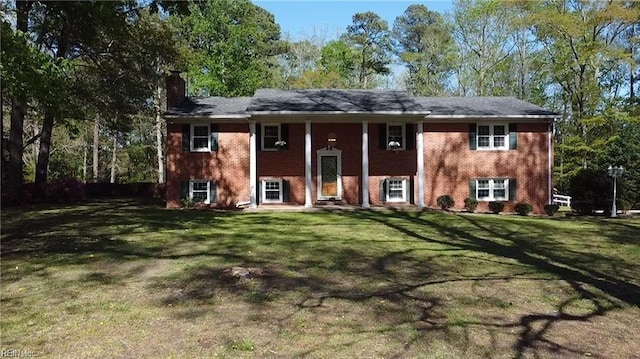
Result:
[302,19]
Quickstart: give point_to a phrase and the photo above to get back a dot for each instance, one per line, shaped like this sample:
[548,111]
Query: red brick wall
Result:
[450,164]
[229,166]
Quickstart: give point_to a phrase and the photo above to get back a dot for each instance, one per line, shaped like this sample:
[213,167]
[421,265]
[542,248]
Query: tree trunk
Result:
[84,163]
[18,105]
[16,145]
[43,154]
[159,147]
[114,159]
[96,147]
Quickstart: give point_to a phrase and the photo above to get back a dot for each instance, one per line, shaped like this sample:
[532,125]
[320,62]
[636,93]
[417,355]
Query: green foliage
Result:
[582,207]
[551,209]
[592,186]
[369,35]
[233,45]
[496,206]
[445,202]
[424,44]
[523,208]
[470,204]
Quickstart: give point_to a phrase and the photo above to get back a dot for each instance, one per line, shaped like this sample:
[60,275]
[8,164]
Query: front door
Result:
[329,175]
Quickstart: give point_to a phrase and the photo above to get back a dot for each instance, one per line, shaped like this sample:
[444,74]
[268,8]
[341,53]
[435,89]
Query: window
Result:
[396,135]
[272,191]
[199,191]
[200,137]
[492,189]
[396,190]
[270,135]
[492,137]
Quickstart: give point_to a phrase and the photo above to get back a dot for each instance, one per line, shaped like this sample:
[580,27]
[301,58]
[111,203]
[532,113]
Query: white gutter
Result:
[340,112]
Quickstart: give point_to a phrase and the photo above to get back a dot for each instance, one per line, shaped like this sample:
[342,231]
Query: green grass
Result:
[125,279]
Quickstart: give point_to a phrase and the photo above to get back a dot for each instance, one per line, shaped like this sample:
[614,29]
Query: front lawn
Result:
[124,279]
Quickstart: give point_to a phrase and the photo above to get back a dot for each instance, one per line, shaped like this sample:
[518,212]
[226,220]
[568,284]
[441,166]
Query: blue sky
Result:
[303,18]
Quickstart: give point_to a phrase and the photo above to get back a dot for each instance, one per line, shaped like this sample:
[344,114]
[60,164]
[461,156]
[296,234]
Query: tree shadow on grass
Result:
[517,247]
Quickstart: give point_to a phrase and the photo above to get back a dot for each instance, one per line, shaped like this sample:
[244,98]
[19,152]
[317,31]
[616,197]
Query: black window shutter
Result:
[383,190]
[284,135]
[513,136]
[473,140]
[382,136]
[410,191]
[258,192]
[186,137]
[214,137]
[513,188]
[185,189]
[213,192]
[410,133]
[286,191]
[472,189]
[258,137]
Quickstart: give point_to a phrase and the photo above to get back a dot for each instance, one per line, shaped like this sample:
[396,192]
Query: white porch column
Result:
[420,156]
[253,164]
[365,164]
[308,202]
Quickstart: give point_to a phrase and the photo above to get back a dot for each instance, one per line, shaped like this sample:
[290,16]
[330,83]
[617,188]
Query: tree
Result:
[234,45]
[424,44]
[482,30]
[369,35]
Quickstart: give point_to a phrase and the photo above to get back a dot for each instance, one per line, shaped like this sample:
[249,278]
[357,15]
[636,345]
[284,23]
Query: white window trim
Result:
[263,186]
[262,132]
[192,135]
[491,189]
[192,182]
[404,136]
[491,136]
[404,190]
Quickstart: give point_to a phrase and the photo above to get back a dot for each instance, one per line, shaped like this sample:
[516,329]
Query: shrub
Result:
[583,208]
[445,202]
[470,204]
[624,205]
[551,209]
[192,203]
[523,208]
[66,190]
[496,206]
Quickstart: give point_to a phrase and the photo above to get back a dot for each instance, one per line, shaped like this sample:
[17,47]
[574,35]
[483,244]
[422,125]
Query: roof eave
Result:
[305,113]
[493,117]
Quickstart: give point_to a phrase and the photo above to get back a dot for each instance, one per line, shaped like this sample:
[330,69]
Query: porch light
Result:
[615,172]
[394,145]
[332,140]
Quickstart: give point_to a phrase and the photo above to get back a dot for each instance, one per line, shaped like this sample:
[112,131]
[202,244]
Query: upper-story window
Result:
[493,137]
[200,138]
[270,136]
[396,137]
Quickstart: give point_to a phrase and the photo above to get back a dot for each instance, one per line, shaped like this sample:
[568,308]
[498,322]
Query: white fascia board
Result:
[305,113]
[214,118]
[490,117]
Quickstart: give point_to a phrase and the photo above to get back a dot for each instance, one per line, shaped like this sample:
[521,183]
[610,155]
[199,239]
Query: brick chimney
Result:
[175,89]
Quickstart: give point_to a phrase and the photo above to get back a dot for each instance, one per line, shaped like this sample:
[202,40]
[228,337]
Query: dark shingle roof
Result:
[334,101]
[210,106]
[355,101]
[482,106]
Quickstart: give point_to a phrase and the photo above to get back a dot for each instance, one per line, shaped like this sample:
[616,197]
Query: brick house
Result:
[356,147]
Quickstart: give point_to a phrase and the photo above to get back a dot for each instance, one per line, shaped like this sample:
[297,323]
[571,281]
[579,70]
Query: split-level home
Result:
[355,147]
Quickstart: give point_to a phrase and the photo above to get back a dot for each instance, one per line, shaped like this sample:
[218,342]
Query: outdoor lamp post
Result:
[615,172]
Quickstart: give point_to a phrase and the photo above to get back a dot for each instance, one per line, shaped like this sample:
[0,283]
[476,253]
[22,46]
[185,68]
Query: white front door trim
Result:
[329,153]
